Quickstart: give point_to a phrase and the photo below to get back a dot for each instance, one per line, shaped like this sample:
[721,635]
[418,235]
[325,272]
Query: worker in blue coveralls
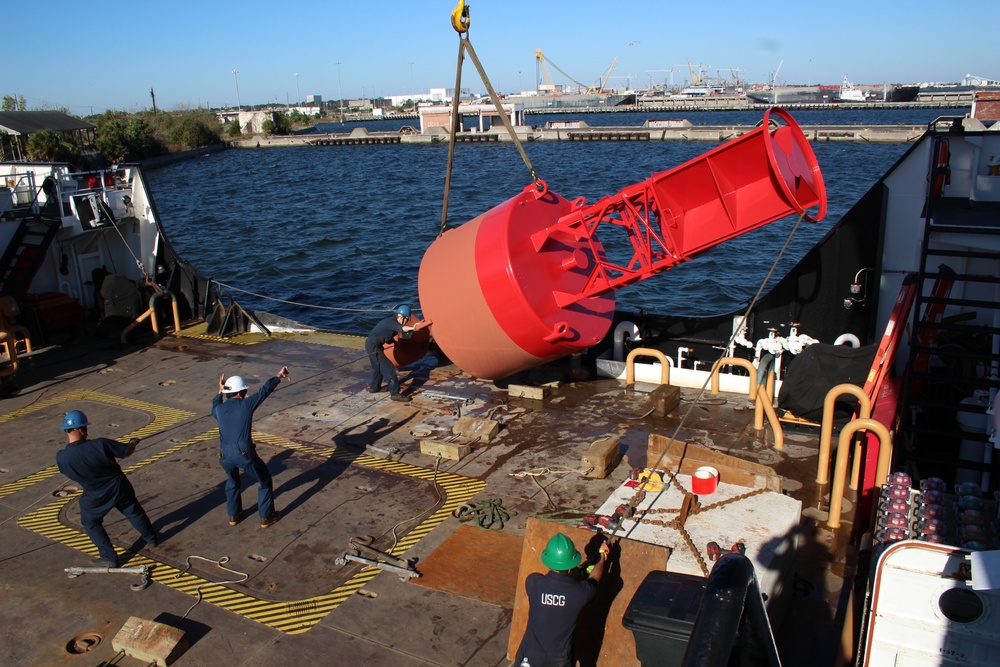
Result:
[237,452]
[383,333]
[555,600]
[92,463]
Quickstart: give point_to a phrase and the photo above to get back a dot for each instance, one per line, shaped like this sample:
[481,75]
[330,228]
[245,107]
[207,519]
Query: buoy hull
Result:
[492,297]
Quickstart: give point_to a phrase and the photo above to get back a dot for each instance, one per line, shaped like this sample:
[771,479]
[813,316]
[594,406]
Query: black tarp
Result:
[817,370]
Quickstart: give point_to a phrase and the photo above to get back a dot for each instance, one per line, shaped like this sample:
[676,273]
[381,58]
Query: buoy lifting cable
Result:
[460,21]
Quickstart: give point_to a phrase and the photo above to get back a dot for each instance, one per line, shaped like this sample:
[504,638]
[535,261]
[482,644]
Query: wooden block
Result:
[600,638]
[665,399]
[150,641]
[690,457]
[602,457]
[453,451]
[476,428]
[524,391]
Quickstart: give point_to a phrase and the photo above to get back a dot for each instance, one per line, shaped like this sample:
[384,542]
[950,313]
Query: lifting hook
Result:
[460,18]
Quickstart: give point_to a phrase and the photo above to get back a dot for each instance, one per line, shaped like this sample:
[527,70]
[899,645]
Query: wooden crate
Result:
[475,428]
[150,641]
[665,399]
[446,449]
[525,391]
[601,457]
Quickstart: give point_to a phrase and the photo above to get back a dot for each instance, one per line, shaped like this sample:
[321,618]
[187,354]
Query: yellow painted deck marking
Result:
[163,418]
[253,338]
[291,617]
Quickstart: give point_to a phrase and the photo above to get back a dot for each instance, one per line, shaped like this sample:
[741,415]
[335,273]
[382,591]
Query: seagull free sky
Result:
[89,57]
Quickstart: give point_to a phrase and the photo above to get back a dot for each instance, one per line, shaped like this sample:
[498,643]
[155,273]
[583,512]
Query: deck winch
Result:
[529,281]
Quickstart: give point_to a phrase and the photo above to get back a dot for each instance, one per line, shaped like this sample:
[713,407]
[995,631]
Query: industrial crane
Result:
[603,81]
[540,60]
[695,78]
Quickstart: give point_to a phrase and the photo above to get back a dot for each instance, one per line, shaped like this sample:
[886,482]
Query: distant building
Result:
[439,116]
[980,81]
[434,96]
[313,100]
[362,105]
[251,122]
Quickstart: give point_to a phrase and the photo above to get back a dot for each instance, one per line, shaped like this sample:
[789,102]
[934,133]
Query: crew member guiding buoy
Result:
[528,281]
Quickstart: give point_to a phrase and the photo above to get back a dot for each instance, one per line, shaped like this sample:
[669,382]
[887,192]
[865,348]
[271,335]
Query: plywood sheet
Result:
[476,564]
[600,638]
[684,457]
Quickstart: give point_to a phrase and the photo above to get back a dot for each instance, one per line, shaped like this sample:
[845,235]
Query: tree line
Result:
[133,136]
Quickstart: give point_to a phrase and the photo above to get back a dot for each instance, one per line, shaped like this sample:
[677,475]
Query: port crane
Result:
[603,80]
[774,77]
[544,77]
[671,71]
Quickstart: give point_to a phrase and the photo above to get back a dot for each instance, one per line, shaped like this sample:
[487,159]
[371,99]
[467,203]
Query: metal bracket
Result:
[364,553]
[404,573]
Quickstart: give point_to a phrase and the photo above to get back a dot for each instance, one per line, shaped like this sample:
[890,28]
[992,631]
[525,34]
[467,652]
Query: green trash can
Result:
[661,616]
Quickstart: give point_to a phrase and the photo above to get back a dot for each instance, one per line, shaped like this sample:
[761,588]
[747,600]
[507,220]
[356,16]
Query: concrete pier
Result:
[580,131]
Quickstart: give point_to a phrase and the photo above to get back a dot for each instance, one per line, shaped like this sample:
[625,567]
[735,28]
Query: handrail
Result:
[173,302]
[151,312]
[826,428]
[10,343]
[840,472]
[732,605]
[761,396]
[646,352]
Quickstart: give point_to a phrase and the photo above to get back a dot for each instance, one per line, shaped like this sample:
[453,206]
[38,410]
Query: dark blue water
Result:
[339,231]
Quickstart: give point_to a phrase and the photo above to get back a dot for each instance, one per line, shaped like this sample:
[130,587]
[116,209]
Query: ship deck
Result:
[346,464]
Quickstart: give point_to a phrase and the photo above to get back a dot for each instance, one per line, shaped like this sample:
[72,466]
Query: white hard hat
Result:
[234,385]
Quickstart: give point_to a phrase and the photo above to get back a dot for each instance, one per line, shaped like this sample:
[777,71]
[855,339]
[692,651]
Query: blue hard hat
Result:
[403,310]
[74,419]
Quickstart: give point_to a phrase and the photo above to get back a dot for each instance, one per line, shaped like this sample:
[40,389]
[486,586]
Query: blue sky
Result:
[88,57]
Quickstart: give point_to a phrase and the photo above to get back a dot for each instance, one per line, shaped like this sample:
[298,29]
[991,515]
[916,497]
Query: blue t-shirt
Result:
[235,417]
[93,465]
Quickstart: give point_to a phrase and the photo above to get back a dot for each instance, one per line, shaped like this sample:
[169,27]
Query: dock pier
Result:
[579,131]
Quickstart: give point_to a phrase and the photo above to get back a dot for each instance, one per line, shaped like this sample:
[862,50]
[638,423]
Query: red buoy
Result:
[528,281]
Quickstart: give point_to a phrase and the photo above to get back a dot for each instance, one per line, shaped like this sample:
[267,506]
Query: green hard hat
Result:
[560,554]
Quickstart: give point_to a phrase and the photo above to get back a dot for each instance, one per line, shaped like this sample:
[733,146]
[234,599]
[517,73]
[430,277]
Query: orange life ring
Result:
[942,170]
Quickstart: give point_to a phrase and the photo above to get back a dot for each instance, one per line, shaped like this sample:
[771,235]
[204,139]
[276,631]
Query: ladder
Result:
[25,254]
[950,357]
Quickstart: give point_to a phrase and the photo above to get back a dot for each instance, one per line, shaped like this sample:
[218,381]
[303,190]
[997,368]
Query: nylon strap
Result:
[464,45]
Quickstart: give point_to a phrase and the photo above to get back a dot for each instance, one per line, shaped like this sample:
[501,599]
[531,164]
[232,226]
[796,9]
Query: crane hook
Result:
[460,18]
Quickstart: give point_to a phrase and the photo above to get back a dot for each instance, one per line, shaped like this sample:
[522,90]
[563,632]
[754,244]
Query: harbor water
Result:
[333,236]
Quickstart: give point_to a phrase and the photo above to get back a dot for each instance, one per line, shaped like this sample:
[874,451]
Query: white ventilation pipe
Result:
[619,342]
[847,339]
